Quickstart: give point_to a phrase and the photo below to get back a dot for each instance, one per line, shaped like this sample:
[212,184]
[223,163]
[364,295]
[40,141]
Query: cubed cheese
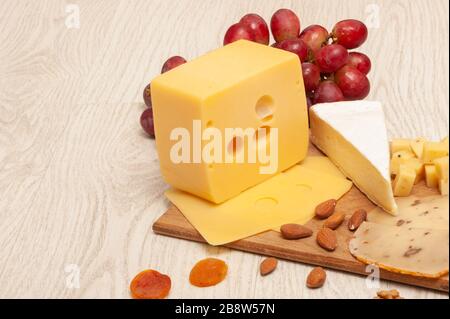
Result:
[431,177]
[441,167]
[400,144]
[243,85]
[417,146]
[404,181]
[433,150]
[399,158]
[417,165]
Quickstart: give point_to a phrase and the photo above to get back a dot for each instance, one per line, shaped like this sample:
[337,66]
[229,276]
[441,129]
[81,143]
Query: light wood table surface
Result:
[79,181]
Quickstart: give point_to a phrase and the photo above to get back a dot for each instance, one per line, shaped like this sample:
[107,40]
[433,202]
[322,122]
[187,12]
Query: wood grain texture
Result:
[270,243]
[80,182]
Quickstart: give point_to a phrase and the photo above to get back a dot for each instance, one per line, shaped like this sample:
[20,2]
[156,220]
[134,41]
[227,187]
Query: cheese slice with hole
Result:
[288,197]
[353,135]
[321,164]
[421,252]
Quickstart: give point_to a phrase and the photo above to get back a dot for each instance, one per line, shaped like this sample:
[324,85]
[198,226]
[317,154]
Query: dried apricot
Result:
[150,284]
[208,272]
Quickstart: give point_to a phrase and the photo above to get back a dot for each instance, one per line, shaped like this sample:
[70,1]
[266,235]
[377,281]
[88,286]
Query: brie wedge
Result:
[353,135]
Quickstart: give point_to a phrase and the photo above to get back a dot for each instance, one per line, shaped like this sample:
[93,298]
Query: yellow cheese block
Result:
[433,150]
[285,198]
[400,144]
[431,176]
[404,181]
[441,167]
[243,85]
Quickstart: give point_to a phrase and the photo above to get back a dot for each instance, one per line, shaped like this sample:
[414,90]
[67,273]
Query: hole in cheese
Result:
[262,138]
[235,145]
[266,204]
[304,187]
[265,108]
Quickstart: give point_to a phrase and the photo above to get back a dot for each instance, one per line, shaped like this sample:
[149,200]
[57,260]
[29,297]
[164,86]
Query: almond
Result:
[388,294]
[334,221]
[316,278]
[358,217]
[326,238]
[268,265]
[295,231]
[325,209]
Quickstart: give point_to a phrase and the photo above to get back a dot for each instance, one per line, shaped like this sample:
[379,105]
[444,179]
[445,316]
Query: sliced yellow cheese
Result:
[399,158]
[414,211]
[407,250]
[285,198]
[431,176]
[400,144]
[353,135]
[321,164]
[404,181]
[433,150]
[417,146]
[243,85]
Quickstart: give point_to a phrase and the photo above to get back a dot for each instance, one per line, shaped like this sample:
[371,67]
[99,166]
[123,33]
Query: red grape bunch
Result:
[330,72]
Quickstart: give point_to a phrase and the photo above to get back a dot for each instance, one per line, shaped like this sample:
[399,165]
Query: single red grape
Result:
[311,76]
[238,31]
[328,91]
[314,36]
[331,57]
[172,63]
[350,33]
[284,25]
[147,95]
[359,61]
[258,26]
[147,122]
[353,83]
[296,46]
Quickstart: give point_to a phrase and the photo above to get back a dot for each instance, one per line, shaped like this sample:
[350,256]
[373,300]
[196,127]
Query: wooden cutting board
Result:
[173,223]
